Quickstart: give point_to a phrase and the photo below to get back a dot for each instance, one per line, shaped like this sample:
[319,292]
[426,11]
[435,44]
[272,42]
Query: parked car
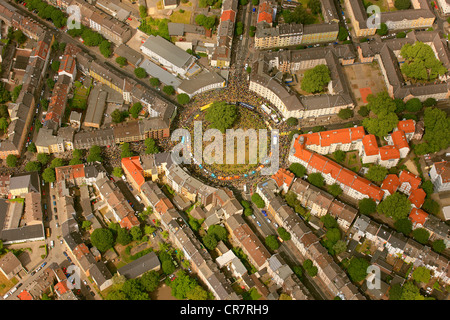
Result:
[258,223]
[264,213]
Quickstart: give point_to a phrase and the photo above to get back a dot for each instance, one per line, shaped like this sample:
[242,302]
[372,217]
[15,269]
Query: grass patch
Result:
[178,17]
[252,294]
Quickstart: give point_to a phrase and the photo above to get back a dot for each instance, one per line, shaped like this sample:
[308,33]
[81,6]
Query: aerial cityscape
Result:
[239,150]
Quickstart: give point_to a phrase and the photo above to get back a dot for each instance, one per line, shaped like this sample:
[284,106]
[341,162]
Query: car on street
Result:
[258,223]
[264,213]
[65,254]
[268,220]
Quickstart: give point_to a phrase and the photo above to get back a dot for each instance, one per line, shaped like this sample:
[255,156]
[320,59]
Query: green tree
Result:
[86,225]
[339,247]
[329,221]
[343,33]
[117,116]
[339,156]
[316,179]
[402,4]
[43,158]
[421,63]
[143,12]
[395,292]
[357,269]
[376,173]
[315,6]
[292,122]
[117,172]
[421,235]
[32,147]
[410,292]
[57,162]
[430,102]
[221,115]
[94,154]
[151,145]
[169,90]
[310,268]
[150,281]
[49,175]
[102,239]
[396,206]
[126,151]
[315,79]
[383,30]
[363,111]
[210,241]
[413,105]
[404,226]
[55,65]
[345,114]
[380,126]
[11,161]
[272,242]
[422,274]
[122,61]
[437,131]
[135,109]
[136,233]
[335,189]
[140,73]
[15,93]
[123,237]
[258,201]
[218,231]
[439,246]
[284,234]
[431,206]
[154,82]
[33,166]
[297,169]
[183,98]
[367,206]
[19,36]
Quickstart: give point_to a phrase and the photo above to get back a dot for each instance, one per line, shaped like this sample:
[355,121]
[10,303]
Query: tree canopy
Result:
[258,201]
[357,269]
[297,169]
[421,63]
[221,115]
[316,179]
[396,206]
[272,242]
[402,4]
[315,79]
[102,239]
[377,173]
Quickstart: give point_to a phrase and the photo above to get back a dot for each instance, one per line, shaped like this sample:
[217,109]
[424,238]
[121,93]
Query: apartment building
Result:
[440,176]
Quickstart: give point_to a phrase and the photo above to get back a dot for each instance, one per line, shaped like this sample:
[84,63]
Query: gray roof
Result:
[25,180]
[199,81]
[168,51]
[96,106]
[156,71]
[139,266]
[131,55]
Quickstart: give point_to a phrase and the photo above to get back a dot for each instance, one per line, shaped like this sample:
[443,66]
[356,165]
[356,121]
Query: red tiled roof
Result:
[346,177]
[443,169]
[407,126]
[399,139]
[163,205]
[417,197]
[25,295]
[67,64]
[61,287]
[133,166]
[327,138]
[283,176]
[332,168]
[129,221]
[301,152]
[318,161]
[408,177]
[370,145]
[418,216]
[375,192]
[265,12]
[389,153]
[390,183]
[228,15]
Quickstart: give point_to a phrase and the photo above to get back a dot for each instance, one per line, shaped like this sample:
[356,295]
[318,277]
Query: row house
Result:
[351,184]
